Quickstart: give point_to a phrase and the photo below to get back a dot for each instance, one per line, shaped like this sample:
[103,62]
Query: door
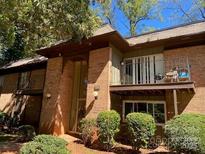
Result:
[78,106]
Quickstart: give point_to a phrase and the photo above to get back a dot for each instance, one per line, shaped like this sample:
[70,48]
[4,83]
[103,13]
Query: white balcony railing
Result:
[148,70]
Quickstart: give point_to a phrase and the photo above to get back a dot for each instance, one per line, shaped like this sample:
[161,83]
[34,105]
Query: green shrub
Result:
[45,144]
[27,132]
[88,129]
[186,133]
[141,127]
[108,123]
[50,140]
[39,148]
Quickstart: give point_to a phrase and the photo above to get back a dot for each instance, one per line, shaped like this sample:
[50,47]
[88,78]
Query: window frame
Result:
[146,102]
[20,80]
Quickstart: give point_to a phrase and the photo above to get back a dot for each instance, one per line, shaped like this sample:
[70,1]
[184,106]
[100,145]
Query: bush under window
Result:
[141,127]
[186,133]
[108,123]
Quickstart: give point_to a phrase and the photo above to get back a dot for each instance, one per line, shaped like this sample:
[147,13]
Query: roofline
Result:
[164,29]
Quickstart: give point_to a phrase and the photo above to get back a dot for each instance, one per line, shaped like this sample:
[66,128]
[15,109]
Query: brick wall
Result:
[55,108]
[51,87]
[188,102]
[98,75]
[37,78]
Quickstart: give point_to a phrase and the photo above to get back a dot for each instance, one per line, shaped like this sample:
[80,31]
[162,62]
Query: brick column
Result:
[98,76]
[57,92]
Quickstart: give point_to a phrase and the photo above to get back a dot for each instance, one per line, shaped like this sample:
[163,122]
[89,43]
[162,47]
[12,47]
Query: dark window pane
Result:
[150,109]
[135,107]
[142,107]
[128,108]
[159,113]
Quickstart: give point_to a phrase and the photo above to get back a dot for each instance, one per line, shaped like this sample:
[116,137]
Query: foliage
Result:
[45,144]
[108,123]
[136,11]
[15,52]
[50,140]
[4,118]
[27,132]
[88,129]
[38,148]
[108,11]
[186,133]
[185,13]
[141,128]
[41,22]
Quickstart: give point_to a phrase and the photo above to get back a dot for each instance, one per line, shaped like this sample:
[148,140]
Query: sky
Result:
[168,14]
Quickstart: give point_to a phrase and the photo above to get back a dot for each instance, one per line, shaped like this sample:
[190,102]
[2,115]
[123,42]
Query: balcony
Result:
[152,72]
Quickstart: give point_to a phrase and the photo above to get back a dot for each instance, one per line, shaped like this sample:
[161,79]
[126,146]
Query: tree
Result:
[15,52]
[136,11]
[108,11]
[187,13]
[41,22]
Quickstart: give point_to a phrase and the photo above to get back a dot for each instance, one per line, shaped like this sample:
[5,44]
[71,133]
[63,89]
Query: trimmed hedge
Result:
[186,133]
[45,144]
[108,123]
[88,129]
[141,127]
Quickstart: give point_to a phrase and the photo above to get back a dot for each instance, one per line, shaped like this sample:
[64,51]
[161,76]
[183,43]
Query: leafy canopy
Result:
[41,22]
[136,11]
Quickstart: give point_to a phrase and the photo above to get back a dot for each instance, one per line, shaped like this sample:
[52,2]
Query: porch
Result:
[162,100]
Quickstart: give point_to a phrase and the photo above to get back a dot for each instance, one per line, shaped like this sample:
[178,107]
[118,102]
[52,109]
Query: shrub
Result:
[45,144]
[186,133]
[27,132]
[38,148]
[50,140]
[141,127]
[88,129]
[108,123]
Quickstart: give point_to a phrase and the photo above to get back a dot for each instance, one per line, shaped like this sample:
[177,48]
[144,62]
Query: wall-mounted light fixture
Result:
[48,95]
[96,90]
[122,63]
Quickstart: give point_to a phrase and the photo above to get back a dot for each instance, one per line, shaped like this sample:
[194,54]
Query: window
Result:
[155,108]
[24,78]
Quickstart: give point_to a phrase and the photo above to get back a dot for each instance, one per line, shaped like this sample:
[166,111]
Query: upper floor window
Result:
[155,108]
[24,79]
[143,70]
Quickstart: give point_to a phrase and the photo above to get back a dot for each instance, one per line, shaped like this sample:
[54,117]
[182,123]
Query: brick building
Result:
[161,73]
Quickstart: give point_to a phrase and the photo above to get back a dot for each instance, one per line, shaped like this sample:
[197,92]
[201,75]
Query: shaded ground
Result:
[8,144]
[79,148]
[76,147]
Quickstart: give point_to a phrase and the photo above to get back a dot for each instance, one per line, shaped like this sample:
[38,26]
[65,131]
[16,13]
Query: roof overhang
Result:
[69,48]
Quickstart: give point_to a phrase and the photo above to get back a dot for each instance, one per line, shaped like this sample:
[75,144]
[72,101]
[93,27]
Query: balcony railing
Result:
[150,71]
